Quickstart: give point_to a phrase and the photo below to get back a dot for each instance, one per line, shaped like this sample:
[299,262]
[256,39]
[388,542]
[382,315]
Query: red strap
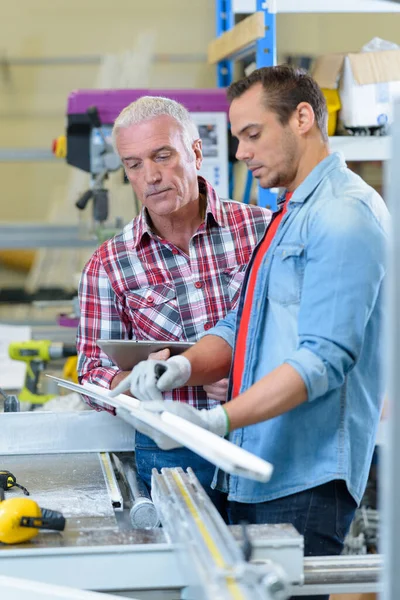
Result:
[240,350]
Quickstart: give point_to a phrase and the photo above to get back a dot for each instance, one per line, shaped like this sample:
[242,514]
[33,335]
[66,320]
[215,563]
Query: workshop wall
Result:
[33,98]
[317,34]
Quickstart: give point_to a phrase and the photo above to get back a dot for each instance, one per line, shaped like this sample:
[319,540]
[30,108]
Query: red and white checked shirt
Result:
[141,287]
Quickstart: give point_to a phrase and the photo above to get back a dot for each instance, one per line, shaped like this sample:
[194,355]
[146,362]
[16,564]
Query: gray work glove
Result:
[214,420]
[151,377]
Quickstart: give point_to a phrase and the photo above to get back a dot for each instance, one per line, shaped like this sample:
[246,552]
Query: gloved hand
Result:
[218,390]
[145,382]
[214,420]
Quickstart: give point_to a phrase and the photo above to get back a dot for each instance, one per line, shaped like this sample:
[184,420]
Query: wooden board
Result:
[243,34]
[370,596]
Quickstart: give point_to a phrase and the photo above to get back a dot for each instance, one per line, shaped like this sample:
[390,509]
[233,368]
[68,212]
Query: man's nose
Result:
[243,152]
[152,174]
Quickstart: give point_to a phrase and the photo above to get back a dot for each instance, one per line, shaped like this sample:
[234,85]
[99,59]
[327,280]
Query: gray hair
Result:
[147,108]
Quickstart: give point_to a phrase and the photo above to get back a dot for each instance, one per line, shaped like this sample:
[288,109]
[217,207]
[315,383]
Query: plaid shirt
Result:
[141,287]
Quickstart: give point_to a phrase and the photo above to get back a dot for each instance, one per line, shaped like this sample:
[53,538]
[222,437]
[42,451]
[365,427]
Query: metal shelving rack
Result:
[264,50]
[390,487]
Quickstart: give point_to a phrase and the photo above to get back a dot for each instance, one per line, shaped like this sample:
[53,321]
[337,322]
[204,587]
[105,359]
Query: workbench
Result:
[59,457]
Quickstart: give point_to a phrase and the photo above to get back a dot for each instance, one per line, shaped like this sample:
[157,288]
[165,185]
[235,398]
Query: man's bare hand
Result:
[218,390]
[160,355]
[118,378]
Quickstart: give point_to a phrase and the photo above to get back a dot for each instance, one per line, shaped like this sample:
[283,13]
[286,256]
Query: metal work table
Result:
[56,456]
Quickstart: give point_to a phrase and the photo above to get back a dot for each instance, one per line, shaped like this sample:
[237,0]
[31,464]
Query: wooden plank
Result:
[371,596]
[219,451]
[243,34]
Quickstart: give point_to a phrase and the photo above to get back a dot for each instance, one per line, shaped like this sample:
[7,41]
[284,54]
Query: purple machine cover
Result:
[109,103]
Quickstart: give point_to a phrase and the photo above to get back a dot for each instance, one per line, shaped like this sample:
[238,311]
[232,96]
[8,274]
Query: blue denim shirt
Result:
[318,306]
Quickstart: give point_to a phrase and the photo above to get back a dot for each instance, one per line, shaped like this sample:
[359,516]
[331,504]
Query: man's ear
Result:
[305,117]
[198,152]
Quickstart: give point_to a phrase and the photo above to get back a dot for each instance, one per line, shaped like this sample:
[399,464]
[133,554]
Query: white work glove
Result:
[146,381]
[214,420]
[217,391]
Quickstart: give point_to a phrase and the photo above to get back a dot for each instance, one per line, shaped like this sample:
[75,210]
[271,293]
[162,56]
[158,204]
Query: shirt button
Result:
[150,300]
[207,326]
[198,284]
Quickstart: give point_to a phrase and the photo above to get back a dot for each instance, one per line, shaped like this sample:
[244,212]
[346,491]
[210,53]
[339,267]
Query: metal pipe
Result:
[39,235]
[389,469]
[342,569]
[91,59]
[27,155]
[143,514]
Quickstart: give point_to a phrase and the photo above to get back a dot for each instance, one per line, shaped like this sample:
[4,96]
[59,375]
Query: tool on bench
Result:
[10,402]
[21,518]
[37,353]
[8,481]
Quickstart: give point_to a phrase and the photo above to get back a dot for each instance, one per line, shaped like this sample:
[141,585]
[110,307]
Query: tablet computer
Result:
[127,353]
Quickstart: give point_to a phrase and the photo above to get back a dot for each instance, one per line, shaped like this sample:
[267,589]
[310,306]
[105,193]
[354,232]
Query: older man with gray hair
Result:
[174,271]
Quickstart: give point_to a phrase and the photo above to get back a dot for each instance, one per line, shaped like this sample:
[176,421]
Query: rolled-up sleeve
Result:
[226,328]
[345,264]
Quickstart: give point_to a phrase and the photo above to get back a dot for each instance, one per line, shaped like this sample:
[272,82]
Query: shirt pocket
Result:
[154,313]
[233,279]
[286,274]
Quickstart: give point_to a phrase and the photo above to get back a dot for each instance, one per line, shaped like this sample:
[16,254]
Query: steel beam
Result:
[142,559]
[91,59]
[390,473]
[34,235]
[63,433]
[18,155]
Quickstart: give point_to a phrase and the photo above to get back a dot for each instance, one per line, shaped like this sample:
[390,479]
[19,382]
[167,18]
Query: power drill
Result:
[37,353]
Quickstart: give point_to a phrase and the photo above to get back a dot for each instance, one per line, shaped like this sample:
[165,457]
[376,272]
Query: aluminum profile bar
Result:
[219,451]
[206,542]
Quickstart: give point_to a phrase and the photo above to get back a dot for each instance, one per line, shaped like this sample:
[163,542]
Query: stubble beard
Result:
[288,171]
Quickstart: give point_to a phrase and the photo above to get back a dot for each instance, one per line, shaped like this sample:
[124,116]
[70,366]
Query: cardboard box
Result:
[367,83]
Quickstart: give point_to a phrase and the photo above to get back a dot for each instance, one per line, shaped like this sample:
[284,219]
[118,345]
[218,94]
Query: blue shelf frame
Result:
[225,20]
[265,56]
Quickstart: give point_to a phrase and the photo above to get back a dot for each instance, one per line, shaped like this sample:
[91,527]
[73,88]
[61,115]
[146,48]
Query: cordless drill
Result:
[37,353]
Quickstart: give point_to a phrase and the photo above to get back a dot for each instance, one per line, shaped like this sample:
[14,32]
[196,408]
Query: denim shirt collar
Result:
[300,195]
